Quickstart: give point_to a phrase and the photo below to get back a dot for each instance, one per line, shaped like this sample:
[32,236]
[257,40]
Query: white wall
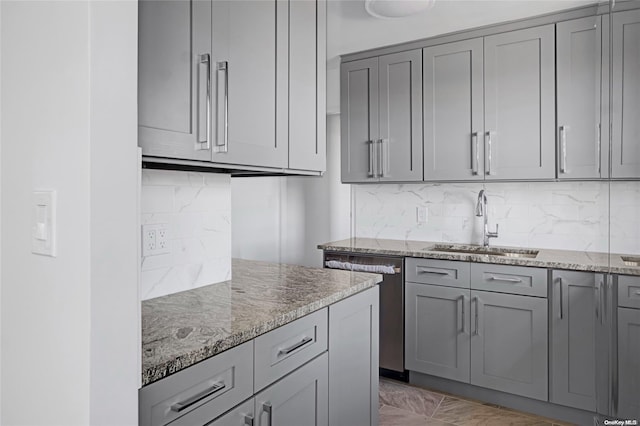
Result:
[69,323]
[113,193]
[197,209]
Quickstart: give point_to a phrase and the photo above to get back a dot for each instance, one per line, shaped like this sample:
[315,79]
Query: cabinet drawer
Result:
[509,279]
[629,291]
[200,393]
[439,272]
[284,349]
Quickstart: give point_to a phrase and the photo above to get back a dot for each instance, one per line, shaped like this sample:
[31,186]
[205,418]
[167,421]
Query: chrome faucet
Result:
[481,210]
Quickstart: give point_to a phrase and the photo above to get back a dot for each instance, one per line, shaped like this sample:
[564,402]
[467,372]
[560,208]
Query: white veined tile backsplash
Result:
[561,215]
[197,207]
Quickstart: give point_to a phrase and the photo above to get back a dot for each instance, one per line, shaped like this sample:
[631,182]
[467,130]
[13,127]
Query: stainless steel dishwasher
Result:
[391,304]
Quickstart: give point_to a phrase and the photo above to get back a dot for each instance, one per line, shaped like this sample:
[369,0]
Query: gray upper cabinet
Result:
[400,144]
[359,119]
[437,330]
[353,360]
[625,148]
[245,43]
[307,85]
[453,111]
[299,398]
[237,83]
[509,343]
[580,153]
[573,334]
[381,119]
[629,363]
[174,47]
[520,104]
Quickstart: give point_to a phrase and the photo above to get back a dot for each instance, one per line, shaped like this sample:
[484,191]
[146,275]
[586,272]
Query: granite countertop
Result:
[546,258]
[184,328]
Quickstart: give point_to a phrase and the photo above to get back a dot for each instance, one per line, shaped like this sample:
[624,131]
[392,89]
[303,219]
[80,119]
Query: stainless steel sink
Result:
[631,261]
[485,251]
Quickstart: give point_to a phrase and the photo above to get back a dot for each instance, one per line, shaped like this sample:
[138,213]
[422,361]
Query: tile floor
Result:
[405,405]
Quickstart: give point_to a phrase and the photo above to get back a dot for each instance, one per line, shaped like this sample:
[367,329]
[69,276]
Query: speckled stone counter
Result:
[182,329]
[546,258]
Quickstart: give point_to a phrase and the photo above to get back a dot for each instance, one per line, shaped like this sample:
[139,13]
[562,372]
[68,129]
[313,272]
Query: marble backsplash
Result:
[590,216]
[197,208]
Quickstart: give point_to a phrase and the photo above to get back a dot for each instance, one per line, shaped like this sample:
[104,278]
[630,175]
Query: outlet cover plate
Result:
[155,239]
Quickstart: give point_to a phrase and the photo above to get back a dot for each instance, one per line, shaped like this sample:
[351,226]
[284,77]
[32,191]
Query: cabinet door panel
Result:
[437,331]
[573,344]
[239,416]
[629,363]
[520,104]
[245,35]
[299,398]
[626,95]
[453,111]
[400,116]
[172,83]
[509,343]
[307,86]
[358,119]
[353,364]
[578,52]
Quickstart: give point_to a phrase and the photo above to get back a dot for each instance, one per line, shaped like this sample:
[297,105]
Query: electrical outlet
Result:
[155,239]
[422,214]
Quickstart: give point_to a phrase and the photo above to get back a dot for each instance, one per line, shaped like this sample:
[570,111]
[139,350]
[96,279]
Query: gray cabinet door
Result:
[437,330]
[307,85]
[172,83]
[353,363]
[299,398]
[628,363]
[453,111]
[520,104]
[252,91]
[359,120]
[578,54]
[573,339]
[509,343]
[625,149]
[400,109]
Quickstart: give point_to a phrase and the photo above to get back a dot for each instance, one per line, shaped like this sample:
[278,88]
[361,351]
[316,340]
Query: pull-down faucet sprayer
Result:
[481,211]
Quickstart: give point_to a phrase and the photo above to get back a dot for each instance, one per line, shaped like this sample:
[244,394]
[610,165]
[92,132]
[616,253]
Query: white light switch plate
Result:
[422,214]
[43,223]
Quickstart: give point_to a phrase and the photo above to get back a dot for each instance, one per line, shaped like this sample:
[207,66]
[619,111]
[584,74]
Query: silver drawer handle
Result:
[638,293]
[268,408]
[248,420]
[371,173]
[292,348]
[475,154]
[510,280]
[179,406]
[204,141]
[222,111]
[563,149]
[431,271]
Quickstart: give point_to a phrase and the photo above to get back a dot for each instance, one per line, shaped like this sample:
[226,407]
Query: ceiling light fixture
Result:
[389,9]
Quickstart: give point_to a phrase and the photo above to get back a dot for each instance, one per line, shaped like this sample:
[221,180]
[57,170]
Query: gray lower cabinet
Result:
[625,141]
[437,330]
[453,102]
[628,347]
[573,338]
[628,363]
[578,80]
[509,343]
[299,398]
[519,104]
[381,119]
[353,360]
[174,44]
